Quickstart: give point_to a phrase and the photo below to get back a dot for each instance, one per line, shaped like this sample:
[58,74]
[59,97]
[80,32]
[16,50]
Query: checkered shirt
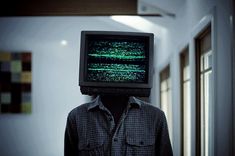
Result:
[141,131]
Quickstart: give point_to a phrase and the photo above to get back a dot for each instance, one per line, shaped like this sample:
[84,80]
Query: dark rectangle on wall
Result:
[5,108]
[5,77]
[5,87]
[68,7]
[26,87]
[16,94]
[15,108]
[26,66]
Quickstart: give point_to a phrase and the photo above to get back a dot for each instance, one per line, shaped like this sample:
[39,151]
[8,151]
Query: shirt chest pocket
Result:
[91,146]
[143,145]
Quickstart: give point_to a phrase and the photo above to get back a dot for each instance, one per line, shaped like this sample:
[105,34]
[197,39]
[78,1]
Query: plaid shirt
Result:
[142,130]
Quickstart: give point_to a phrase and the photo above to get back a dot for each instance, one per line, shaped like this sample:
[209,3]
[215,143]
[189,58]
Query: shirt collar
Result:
[97,103]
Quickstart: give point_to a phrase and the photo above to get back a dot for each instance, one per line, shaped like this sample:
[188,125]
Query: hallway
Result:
[193,81]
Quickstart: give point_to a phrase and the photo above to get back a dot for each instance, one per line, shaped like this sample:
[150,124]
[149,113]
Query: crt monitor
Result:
[113,62]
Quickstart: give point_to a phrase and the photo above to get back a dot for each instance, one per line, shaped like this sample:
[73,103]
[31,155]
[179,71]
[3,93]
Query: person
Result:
[115,125]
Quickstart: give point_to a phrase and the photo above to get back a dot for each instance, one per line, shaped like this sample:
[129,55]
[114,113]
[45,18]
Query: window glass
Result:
[166,97]
[186,103]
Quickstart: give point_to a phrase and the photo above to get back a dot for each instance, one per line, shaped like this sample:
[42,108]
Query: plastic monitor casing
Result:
[115,88]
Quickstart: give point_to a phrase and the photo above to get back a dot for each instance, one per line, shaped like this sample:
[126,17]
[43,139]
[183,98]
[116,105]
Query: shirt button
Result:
[115,139]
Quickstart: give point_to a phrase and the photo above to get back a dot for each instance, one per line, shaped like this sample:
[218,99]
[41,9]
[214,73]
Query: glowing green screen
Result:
[116,61]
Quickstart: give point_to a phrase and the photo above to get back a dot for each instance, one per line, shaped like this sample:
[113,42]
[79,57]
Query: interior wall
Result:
[233,51]
[55,74]
[55,89]
[180,33]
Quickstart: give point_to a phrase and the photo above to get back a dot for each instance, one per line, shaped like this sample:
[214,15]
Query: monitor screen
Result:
[115,59]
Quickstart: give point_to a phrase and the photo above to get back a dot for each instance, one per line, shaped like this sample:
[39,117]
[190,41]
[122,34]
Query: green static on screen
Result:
[116,61]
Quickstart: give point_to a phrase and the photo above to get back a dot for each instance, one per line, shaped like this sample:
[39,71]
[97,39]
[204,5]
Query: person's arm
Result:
[70,138]
[163,144]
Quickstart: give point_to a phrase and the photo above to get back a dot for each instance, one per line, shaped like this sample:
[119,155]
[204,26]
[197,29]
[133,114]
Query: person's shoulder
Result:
[149,111]
[79,110]
[150,108]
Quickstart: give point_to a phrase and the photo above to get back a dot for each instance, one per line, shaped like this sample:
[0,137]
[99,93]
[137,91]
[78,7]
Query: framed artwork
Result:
[15,82]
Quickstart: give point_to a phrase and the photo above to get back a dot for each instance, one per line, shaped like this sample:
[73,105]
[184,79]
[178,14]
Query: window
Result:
[185,102]
[204,92]
[165,91]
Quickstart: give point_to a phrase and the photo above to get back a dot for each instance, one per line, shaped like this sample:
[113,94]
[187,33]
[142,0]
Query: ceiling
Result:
[162,6]
[170,5]
[87,7]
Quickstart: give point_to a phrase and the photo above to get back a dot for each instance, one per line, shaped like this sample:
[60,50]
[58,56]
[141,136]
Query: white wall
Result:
[55,88]
[181,31]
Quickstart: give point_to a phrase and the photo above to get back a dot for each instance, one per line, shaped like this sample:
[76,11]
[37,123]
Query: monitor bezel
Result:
[83,60]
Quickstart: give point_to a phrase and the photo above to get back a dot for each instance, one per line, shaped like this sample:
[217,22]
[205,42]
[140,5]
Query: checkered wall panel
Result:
[15,82]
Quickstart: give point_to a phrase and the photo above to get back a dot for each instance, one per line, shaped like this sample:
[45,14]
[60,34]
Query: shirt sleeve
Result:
[163,144]
[70,138]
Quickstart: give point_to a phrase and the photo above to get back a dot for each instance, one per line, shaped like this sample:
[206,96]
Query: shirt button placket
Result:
[115,139]
[112,124]
[114,146]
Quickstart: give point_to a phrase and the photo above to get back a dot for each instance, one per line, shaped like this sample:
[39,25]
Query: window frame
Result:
[167,71]
[209,19]
[198,54]
[185,51]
